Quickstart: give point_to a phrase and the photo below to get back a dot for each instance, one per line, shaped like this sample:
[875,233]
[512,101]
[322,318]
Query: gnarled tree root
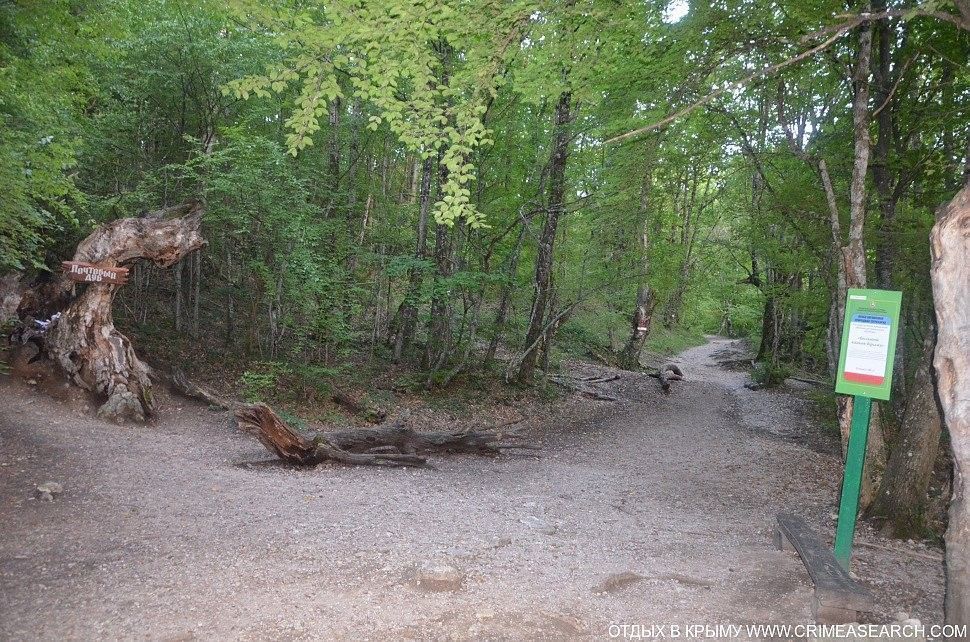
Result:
[394,445]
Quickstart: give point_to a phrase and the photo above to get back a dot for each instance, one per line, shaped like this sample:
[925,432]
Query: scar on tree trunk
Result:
[394,445]
[83,341]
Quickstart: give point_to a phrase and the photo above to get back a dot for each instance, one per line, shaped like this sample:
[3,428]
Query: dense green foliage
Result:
[359,159]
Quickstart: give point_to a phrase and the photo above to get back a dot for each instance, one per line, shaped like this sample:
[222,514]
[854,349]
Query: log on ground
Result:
[394,445]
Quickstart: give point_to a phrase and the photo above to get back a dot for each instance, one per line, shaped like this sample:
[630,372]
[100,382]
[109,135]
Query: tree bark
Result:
[643,309]
[407,313]
[84,341]
[950,274]
[901,500]
[554,210]
[853,257]
[394,445]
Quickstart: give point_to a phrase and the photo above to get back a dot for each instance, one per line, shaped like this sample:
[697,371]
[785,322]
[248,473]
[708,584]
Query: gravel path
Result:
[171,532]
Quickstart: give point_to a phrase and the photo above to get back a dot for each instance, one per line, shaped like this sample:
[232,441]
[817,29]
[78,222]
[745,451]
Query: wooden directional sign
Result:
[88,273]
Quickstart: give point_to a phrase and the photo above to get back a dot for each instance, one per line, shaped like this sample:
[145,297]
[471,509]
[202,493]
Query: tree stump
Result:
[83,340]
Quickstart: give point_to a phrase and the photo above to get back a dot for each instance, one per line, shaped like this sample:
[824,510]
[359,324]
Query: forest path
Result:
[166,532]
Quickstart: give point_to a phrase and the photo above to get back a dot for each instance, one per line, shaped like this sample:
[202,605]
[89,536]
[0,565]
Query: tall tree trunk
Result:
[901,500]
[407,313]
[333,152]
[440,320]
[853,256]
[950,273]
[554,210]
[505,298]
[643,308]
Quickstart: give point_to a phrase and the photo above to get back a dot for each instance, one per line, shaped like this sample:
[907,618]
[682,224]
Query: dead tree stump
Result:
[83,340]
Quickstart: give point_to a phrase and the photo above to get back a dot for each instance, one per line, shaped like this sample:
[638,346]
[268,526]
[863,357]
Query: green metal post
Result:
[855,458]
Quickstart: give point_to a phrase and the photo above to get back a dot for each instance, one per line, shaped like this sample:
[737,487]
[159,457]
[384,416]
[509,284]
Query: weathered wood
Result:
[185,386]
[83,340]
[394,445]
[666,374]
[837,598]
[950,273]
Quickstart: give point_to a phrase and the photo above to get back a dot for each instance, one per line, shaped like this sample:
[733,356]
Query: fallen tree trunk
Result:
[950,272]
[394,445]
[666,374]
[83,340]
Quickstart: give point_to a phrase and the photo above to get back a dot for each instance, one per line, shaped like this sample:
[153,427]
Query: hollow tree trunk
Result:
[901,500]
[950,273]
[84,341]
[554,209]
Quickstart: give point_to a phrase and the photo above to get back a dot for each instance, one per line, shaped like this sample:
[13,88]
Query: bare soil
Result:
[648,510]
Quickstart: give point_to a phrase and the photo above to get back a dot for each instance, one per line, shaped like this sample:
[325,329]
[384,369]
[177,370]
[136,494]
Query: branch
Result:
[837,32]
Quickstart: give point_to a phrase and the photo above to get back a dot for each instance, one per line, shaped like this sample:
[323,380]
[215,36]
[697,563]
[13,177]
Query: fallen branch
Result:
[666,374]
[578,385]
[360,408]
[394,445]
[182,384]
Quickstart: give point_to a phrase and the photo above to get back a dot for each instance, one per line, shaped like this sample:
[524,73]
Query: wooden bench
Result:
[838,599]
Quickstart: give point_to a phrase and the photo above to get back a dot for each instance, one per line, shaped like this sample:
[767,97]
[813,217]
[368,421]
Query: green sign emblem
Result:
[868,343]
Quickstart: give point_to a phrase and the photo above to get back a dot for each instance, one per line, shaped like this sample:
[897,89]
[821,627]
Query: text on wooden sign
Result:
[88,273]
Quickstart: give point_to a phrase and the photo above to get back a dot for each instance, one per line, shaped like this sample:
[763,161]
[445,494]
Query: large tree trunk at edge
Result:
[950,272]
[84,341]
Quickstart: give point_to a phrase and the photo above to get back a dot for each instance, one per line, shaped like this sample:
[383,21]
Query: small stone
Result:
[617,582]
[438,577]
[901,616]
[47,491]
[485,614]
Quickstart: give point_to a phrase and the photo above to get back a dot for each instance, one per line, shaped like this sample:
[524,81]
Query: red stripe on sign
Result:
[871,380]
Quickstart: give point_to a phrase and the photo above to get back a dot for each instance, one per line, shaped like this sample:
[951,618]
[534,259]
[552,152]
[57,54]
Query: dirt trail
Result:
[162,534]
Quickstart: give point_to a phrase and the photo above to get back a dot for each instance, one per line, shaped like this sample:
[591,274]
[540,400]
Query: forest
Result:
[472,193]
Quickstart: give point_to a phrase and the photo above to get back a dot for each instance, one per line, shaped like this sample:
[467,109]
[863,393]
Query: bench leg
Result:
[782,543]
[828,614]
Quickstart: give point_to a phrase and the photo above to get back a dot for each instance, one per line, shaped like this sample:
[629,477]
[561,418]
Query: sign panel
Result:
[88,273]
[868,343]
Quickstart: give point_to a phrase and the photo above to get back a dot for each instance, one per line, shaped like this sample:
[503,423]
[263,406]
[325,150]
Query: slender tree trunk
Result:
[853,256]
[554,210]
[505,298]
[333,154]
[407,314]
[950,273]
[643,308]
